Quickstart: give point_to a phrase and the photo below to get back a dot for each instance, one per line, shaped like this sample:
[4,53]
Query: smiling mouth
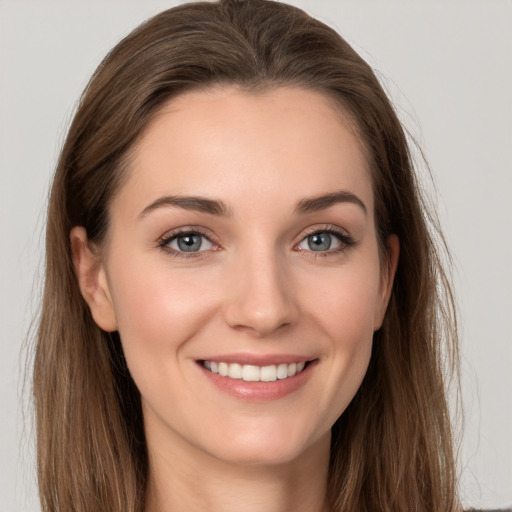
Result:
[252,373]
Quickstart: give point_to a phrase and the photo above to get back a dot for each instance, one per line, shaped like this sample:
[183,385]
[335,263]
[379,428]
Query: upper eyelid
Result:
[321,228]
[185,230]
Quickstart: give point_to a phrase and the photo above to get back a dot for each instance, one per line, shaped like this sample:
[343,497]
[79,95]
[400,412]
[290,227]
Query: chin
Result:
[268,448]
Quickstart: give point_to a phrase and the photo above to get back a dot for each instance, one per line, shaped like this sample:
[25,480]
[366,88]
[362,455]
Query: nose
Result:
[261,296]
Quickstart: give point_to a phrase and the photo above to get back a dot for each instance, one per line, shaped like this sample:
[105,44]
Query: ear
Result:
[388,272]
[92,280]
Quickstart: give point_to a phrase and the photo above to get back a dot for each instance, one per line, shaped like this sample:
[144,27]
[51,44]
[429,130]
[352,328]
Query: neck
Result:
[187,482]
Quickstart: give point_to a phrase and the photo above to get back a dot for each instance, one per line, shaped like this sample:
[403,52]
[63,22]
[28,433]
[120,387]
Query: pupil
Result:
[319,241]
[189,243]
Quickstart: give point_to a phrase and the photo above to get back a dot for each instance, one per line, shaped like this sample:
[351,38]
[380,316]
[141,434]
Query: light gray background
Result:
[446,64]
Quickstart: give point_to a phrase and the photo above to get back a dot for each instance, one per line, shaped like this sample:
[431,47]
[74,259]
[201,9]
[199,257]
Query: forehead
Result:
[244,147]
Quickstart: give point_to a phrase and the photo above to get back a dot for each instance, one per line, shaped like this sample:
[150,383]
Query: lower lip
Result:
[259,391]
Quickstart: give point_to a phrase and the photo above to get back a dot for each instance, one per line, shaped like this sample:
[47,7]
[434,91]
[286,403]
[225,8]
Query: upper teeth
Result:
[252,373]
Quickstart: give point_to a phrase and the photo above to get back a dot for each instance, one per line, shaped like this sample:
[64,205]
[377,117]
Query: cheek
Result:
[345,303]
[342,310]
[157,310]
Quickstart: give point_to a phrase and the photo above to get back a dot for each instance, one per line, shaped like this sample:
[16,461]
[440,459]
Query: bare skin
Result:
[298,485]
[243,237]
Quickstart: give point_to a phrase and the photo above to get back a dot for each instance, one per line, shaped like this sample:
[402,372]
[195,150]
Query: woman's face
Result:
[243,242]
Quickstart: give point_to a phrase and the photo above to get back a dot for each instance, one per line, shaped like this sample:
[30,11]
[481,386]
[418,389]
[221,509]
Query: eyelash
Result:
[346,242]
[163,243]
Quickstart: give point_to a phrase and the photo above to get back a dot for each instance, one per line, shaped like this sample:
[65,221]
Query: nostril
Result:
[259,297]
[261,330]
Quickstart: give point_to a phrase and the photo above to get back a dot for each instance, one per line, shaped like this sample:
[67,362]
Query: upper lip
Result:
[258,359]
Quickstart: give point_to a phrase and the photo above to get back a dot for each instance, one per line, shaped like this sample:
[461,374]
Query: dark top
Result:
[494,510]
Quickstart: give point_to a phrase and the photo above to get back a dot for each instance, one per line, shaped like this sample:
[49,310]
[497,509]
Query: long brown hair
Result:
[392,448]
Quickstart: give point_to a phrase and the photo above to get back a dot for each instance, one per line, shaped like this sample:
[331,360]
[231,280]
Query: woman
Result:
[244,305]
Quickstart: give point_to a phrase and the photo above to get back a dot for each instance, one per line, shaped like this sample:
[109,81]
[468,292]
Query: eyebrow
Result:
[314,204]
[196,203]
[218,208]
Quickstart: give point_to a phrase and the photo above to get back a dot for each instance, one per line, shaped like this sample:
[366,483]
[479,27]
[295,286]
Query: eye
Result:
[187,242]
[320,241]
[326,240]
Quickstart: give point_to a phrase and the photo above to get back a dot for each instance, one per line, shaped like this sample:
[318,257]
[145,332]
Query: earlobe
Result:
[388,277]
[92,280]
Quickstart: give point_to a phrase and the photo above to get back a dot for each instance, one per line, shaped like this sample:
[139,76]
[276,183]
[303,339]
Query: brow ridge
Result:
[313,204]
[218,208]
[196,203]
